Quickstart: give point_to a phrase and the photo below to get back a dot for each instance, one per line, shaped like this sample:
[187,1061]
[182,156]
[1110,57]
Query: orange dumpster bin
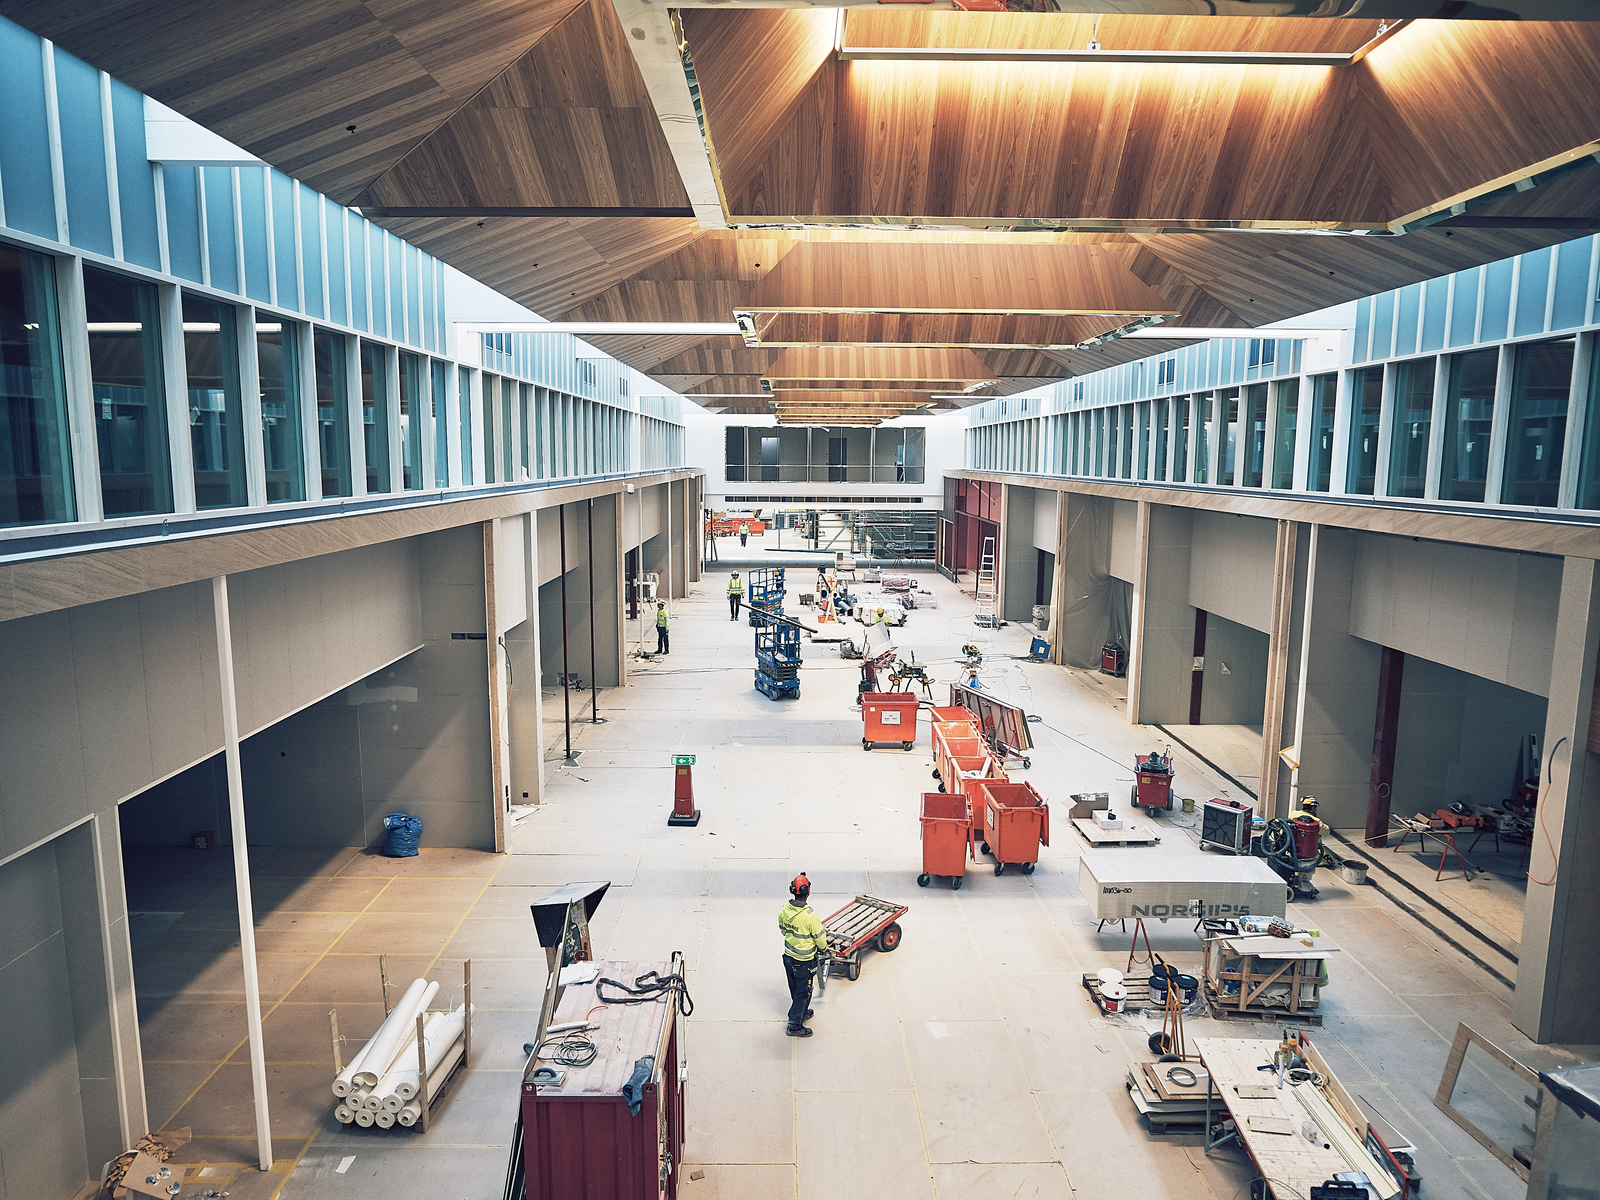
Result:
[889,717]
[1012,821]
[946,837]
[950,712]
[966,773]
[946,748]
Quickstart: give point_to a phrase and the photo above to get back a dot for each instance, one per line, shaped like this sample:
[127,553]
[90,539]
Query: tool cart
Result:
[865,923]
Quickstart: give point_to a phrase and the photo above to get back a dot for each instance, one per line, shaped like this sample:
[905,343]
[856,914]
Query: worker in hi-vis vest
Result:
[735,596]
[803,940]
[661,628]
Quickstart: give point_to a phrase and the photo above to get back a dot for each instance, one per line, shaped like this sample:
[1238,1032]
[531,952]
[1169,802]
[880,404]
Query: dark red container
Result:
[579,1139]
[1307,837]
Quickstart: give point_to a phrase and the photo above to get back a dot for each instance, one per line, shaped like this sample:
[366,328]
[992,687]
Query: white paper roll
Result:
[383,1119]
[366,1118]
[344,1114]
[343,1083]
[401,1077]
[411,1113]
[391,1035]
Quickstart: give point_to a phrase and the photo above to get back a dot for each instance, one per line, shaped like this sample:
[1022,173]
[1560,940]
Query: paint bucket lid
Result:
[1109,975]
[1114,991]
[1186,983]
[1166,970]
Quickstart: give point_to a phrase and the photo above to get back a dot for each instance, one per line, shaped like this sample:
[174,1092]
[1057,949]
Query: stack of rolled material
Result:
[380,1086]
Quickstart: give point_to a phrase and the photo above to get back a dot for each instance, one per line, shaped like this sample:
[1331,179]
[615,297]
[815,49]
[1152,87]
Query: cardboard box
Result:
[1085,803]
[1117,885]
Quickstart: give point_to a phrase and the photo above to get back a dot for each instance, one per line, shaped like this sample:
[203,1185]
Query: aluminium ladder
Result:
[985,615]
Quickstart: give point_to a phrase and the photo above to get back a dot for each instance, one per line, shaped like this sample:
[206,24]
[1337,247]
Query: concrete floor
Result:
[969,1063]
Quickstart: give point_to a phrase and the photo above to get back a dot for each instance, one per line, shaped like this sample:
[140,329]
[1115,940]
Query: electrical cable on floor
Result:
[649,988]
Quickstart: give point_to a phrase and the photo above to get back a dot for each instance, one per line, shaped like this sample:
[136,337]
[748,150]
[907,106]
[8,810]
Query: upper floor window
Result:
[35,462]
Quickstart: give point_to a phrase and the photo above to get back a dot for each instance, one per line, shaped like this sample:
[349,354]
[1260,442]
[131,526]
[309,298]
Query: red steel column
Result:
[1391,667]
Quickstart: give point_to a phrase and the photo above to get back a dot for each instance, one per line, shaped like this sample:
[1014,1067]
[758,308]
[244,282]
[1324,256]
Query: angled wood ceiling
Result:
[541,104]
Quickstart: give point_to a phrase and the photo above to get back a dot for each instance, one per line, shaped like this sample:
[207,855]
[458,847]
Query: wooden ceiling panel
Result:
[285,79]
[550,264]
[568,125]
[731,385]
[755,66]
[929,329]
[927,277]
[720,356]
[644,353]
[1064,31]
[1457,103]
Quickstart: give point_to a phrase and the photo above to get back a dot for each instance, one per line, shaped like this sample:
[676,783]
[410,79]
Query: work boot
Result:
[802,1031]
[809,1014]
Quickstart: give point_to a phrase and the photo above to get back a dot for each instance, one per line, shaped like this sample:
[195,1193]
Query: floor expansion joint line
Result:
[1408,885]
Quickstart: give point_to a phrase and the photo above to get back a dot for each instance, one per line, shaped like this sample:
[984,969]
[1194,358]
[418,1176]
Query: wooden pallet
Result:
[1226,1008]
[1134,835]
[1138,992]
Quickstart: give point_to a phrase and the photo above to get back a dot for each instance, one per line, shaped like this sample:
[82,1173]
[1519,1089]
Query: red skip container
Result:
[946,837]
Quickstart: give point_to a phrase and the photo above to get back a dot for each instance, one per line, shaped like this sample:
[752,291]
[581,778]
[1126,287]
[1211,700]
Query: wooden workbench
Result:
[1292,1163]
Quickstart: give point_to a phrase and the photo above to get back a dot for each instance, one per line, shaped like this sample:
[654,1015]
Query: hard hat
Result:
[880,612]
[661,603]
[736,574]
[1309,804]
[800,885]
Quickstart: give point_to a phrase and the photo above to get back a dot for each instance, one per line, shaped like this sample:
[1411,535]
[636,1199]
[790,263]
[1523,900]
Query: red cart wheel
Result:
[889,938]
[955,883]
[924,880]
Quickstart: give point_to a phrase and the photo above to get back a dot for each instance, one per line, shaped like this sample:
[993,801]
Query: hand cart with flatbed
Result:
[865,923]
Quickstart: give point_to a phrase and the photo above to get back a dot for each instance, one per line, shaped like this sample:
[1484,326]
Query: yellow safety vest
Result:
[802,931]
[735,587]
[661,618]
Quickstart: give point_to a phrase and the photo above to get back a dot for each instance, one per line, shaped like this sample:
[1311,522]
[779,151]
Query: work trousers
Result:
[743,538]
[662,646]
[799,974]
[734,599]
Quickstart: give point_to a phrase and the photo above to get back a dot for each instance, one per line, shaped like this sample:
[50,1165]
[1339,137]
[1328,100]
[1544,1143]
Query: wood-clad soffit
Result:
[1444,112]
[287,79]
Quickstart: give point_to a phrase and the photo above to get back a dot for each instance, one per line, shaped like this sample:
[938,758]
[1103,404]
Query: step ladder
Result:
[986,615]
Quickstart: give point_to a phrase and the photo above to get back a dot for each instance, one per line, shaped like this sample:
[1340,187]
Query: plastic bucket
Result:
[1108,975]
[1353,870]
[1188,988]
[1188,804]
[1114,996]
[1158,990]
[1307,836]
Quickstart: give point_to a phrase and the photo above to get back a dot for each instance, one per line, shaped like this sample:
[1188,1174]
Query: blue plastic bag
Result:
[404,831]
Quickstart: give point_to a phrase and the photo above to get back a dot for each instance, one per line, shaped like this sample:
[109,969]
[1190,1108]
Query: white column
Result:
[241,869]
[255,452]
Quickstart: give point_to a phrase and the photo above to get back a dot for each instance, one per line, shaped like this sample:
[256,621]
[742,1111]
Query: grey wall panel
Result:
[641,515]
[1238,697]
[1019,561]
[1166,639]
[42,787]
[99,702]
[1124,540]
[1458,737]
[510,570]
[42,1147]
[1487,612]
[1230,567]
[180,678]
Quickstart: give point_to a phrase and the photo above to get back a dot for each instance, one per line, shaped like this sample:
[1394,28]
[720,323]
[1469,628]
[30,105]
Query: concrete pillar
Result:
[678,547]
[1278,642]
[525,698]
[1558,976]
[1165,632]
[1294,645]
[1136,619]
[1058,585]
[1338,685]
[105,1015]
[499,723]
[597,646]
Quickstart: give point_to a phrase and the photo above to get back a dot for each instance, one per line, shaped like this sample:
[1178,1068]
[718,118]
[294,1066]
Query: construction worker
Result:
[661,628]
[803,940]
[744,532]
[735,596]
[880,618]
[1308,808]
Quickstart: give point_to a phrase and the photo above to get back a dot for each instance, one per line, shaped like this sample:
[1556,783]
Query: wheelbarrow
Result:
[865,923]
